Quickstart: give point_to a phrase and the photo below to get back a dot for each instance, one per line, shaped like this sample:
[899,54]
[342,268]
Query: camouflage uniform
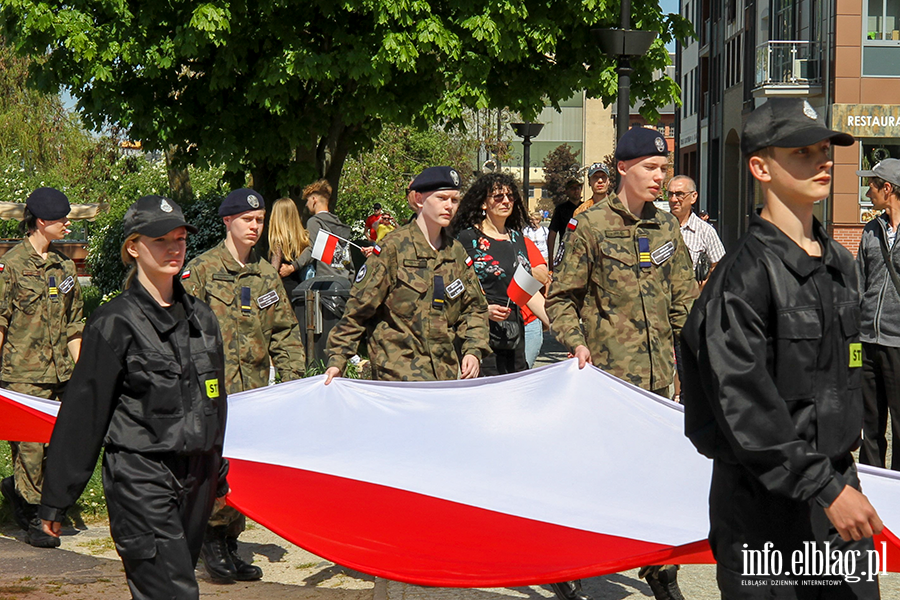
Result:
[257,323]
[632,303]
[41,311]
[411,335]
[265,327]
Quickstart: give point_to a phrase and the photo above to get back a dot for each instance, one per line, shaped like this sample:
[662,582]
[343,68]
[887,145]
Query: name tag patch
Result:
[212,388]
[617,233]
[67,285]
[455,289]
[267,299]
[663,253]
[856,355]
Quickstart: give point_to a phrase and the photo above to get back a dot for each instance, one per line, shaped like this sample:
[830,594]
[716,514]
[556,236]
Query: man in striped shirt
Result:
[699,236]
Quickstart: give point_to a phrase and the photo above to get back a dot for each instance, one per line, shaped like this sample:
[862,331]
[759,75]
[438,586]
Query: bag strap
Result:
[887,261]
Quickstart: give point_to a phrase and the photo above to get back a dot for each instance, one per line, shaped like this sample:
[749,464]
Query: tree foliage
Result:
[288,90]
[560,166]
[399,154]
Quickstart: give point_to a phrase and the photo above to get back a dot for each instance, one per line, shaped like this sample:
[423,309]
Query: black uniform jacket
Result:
[145,383]
[771,370]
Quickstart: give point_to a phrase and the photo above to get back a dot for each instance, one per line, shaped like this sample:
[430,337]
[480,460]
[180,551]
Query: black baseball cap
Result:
[639,142]
[787,123]
[241,201]
[888,169]
[47,203]
[154,216]
[433,179]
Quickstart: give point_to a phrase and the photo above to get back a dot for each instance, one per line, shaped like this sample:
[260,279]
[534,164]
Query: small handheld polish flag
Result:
[523,286]
[325,246]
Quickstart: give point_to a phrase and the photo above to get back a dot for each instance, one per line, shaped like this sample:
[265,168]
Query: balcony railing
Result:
[785,64]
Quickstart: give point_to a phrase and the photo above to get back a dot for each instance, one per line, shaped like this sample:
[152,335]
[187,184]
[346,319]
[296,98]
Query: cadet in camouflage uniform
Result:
[417,297]
[627,276]
[40,333]
[258,326]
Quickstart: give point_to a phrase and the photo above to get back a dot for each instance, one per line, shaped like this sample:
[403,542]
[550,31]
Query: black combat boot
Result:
[663,581]
[243,571]
[8,488]
[36,535]
[569,590]
[216,557]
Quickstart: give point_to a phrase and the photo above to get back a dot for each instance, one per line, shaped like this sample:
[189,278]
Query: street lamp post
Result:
[526,131]
[624,43]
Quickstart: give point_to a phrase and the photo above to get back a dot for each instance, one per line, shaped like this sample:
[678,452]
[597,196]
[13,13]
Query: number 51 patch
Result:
[856,355]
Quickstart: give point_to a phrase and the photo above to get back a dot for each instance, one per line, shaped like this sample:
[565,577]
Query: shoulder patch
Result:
[361,273]
[2,266]
[186,274]
[67,285]
[469,261]
[573,223]
[376,249]
[663,253]
[267,300]
[455,289]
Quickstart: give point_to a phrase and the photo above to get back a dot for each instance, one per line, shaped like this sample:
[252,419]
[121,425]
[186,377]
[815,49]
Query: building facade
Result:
[842,56]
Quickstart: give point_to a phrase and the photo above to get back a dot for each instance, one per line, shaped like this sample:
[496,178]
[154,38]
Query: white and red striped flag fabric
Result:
[522,287]
[324,247]
[536,477]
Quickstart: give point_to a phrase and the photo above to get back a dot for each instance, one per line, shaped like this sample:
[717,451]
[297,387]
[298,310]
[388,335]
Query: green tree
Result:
[287,91]
[560,166]
[382,173]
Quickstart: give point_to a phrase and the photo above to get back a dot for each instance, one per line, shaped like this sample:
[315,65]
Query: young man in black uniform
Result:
[772,373]
[149,385]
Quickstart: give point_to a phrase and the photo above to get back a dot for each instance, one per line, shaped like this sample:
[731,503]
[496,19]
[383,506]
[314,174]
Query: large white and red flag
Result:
[523,286]
[542,476]
[325,246]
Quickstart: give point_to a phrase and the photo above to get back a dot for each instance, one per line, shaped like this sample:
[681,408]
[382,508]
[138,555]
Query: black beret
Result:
[240,201]
[436,178]
[639,142]
[787,123]
[48,204]
[154,216]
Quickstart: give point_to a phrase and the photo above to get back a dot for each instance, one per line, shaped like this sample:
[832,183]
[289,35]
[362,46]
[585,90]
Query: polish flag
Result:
[572,224]
[326,244]
[459,483]
[523,287]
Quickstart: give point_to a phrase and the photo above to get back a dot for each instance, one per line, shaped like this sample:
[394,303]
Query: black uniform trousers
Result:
[744,516]
[158,508]
[881,394]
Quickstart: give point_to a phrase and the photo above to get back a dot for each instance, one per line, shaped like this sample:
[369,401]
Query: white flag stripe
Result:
[500,445]
[526,281]
[321,243]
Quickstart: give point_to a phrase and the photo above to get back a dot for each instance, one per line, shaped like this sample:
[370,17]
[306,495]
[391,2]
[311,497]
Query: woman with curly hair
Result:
[287,241]
[489,224]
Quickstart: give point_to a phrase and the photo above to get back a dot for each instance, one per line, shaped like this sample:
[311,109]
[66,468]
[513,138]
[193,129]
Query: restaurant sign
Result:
[867,120]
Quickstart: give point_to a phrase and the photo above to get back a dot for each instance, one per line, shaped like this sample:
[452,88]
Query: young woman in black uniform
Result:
[148,387]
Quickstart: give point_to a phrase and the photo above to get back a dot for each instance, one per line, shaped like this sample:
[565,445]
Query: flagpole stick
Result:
[507,302]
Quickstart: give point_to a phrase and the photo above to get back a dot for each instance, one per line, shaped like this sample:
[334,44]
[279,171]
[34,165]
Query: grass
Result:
[99,546]
[90,507]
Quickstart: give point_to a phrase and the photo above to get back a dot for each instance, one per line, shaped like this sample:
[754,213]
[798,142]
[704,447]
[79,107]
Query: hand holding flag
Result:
[523,286]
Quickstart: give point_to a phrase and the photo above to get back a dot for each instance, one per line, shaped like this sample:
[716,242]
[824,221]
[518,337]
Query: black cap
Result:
[154,216]
[240,201]
[639,142]
[48,203]
[598,167]
[436,178]
[787,123]
[888,169]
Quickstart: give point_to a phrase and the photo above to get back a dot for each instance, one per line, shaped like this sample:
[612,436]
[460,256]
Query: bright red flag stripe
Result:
[20,423]
[405,536]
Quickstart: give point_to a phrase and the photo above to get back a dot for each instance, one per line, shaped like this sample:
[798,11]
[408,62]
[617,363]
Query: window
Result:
[881,38]
[883,20]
